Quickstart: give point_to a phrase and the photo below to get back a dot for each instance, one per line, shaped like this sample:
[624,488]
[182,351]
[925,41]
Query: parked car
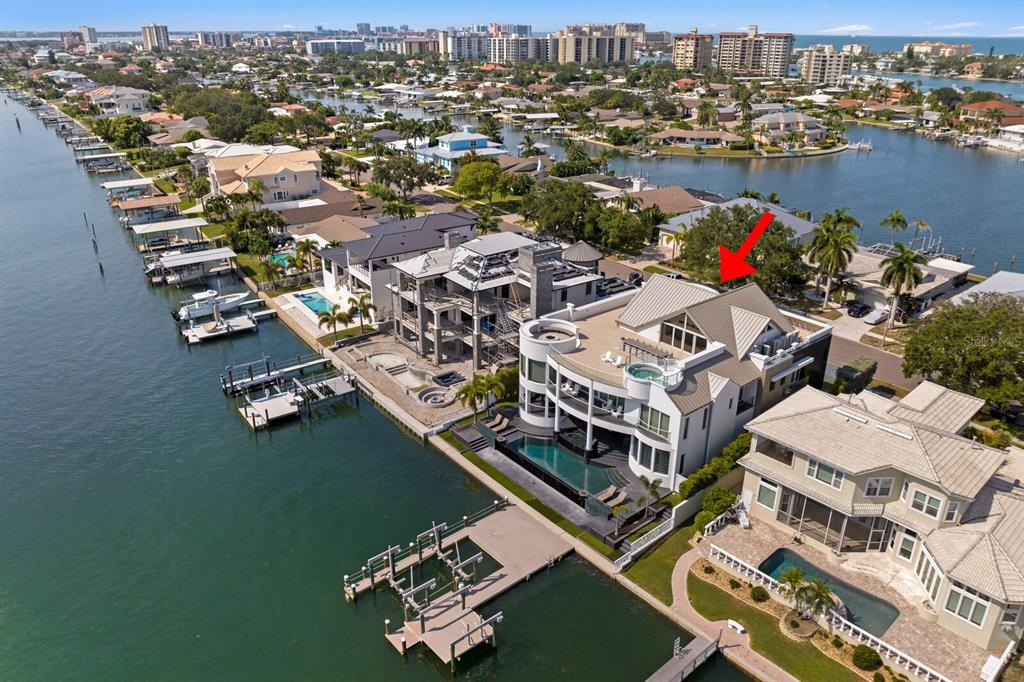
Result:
[445,180]
[858,309]
[877,315]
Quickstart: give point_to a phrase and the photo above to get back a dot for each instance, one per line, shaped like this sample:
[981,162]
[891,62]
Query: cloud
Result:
[288,26]
[957,25]
[847,30]
[1015,29]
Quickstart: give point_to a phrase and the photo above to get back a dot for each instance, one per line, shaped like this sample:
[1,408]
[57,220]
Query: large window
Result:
[878,487]
[928,573]
[951,510]
[1010,614]
[681,338]
[926,504]
[654,421]
[606,401]
[967,604]
[907,544]
[661,461]
[537,371]
[766,493]
[825,473]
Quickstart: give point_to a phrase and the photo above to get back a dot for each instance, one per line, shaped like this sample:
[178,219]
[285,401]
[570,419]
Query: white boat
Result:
[202,304]
[862,146]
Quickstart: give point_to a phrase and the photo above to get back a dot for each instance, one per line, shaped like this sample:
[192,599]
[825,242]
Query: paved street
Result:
[889,365]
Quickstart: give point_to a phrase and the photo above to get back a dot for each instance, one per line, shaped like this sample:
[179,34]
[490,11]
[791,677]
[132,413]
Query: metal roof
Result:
[124,184]
[661,298]
[169,225]
[177,260]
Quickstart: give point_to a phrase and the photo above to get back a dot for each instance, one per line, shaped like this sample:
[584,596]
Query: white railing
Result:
[716,523]
[854,633]
[994,666]
[642,543]
[887,651]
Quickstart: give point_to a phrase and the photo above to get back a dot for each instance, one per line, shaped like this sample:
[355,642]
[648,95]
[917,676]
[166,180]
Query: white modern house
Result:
[668,374]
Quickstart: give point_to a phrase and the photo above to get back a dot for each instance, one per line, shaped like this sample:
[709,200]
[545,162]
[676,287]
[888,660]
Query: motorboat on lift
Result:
[202,304]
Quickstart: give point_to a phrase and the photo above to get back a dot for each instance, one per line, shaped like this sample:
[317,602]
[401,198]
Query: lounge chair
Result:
[617,500]
[501,425]
[494,422]
[618,361]
[607,357]
[606,494]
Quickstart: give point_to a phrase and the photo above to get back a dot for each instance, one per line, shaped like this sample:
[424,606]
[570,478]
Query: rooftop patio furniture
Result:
[618,361]
[607,357]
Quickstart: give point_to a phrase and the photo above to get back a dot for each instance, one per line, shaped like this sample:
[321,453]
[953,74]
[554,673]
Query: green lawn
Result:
[328,339]
[653,570]
[709,152]
[656,270]
[214,230]
[800,659]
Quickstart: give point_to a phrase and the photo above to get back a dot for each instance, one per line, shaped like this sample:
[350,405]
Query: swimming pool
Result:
[863,610]
[280,259]
[315,302]
[564,465]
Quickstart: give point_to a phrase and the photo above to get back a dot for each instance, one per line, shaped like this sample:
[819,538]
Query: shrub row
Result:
[719,466]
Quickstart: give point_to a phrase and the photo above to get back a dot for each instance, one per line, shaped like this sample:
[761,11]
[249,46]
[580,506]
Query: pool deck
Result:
[876,574]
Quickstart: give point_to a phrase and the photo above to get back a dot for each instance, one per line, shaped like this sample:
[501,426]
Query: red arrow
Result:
[734,265]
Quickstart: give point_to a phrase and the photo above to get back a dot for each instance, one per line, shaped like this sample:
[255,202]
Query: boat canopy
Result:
[169,226]
[180,260]
[127,184]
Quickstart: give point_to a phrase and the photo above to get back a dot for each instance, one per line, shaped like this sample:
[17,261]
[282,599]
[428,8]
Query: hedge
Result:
[866,658]
[719,466]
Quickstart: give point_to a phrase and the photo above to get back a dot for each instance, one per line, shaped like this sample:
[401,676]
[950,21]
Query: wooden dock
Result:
[452,625]
[238,379]
[686,659]
[227,326]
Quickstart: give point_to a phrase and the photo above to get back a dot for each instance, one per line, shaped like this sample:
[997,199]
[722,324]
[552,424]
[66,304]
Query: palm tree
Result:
[361,306]
[919,226]
[217,207]
[255,194]
[471,393]
[792,582]
[239,199]
[706,114]
[486,221]
[199,188]
[527,147]
[626,201]
[678,239]
[833,252]
[334,317]
[649,494]
[650,217]
[305,251]
[895,222]
[818,596]
[399,210]
[900,272]
[602,158]
[493,385]
[269,271]
[618,512]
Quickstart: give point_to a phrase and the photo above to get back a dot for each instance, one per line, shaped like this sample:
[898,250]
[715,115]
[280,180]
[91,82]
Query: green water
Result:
[147,534]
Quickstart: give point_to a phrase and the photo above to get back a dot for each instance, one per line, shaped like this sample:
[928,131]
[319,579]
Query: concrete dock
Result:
[451,626]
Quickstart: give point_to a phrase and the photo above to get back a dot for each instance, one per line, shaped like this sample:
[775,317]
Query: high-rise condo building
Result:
[363,29]
[824,65]
[88,34]
[755,54]
[581,49]
[509,49]
[349,46]
[214,38]
[154,37]
[692,51]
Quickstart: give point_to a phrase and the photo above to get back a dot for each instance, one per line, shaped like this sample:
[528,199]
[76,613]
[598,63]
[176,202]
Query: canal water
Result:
[146,533]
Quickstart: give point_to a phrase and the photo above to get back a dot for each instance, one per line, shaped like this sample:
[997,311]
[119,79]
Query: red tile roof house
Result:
[978,113]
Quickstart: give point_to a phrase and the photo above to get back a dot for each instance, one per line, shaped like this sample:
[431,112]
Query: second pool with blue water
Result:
[863,610]
[315,301]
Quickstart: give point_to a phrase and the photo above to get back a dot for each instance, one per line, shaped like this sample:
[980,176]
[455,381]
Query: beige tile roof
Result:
[268,164]
[661,298]
[848,435]
[937,406]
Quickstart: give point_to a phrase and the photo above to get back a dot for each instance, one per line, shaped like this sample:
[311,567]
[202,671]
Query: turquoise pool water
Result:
[315,302]
[280,258]
[567,466]
[644,371]
[863,610]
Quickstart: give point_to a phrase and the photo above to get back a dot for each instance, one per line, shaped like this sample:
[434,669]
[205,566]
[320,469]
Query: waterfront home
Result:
[68,78]
[364,265]
[332,202]
[468,299]
[693,138]
[171,132]
[803,230]
[1003,283]
[671,200]
[978,114]
[941,277]
[332,230]
[285,177]
[865,474]
[453,146]
[771,129]
[115,100]
[666,376]
[1010,137]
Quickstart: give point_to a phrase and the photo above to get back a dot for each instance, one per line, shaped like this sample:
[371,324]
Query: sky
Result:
[860,17]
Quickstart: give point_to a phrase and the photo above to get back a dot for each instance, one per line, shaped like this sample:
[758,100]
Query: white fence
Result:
[994,666]
[642,543]
[888,652]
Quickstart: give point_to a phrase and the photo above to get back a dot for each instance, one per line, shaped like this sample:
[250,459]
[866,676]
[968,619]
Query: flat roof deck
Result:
[600,334]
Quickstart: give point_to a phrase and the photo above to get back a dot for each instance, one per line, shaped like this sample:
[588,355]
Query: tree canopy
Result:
[122,131]
[478,179]
[559,208]
[777,260]
[230,114]
[975,347]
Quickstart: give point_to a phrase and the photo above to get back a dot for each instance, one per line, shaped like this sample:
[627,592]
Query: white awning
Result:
[802,362]
[125,184]
[178,260]
[92,157]
[169,225]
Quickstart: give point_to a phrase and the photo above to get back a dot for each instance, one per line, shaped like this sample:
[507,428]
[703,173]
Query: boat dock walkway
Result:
[686,659]
[450,625]
[241,378]
[286,401]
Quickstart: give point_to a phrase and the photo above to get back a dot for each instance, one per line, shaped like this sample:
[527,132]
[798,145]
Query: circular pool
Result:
[433,396]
